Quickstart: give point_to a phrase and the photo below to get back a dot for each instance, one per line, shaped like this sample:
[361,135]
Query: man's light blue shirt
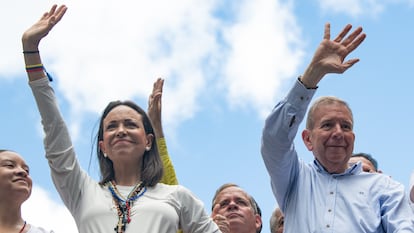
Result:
[313,200]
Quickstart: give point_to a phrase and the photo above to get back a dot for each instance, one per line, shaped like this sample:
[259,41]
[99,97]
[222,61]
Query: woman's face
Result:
[14,176]
[124,137]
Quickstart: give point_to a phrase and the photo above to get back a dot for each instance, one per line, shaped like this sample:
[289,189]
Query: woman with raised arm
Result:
[129,197]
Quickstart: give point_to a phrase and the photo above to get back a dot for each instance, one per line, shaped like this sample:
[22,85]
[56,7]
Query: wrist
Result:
[29,45]
[311,77]
[306,85]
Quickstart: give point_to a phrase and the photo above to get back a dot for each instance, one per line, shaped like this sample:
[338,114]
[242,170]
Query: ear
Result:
[102,146]
[258,221]
[150,139]
[306,137]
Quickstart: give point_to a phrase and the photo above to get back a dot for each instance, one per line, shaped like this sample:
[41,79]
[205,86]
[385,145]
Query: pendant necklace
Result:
[24,225]
[123,205]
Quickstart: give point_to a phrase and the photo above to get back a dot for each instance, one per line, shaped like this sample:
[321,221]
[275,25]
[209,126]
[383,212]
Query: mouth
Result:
[122,141]
[337,146]
[21,181]
[233,215]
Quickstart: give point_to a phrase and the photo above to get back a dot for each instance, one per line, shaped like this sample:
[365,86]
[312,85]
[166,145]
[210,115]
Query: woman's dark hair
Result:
[152,168]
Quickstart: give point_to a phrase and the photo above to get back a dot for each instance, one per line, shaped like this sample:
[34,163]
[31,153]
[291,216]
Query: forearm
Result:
[57,137]
[157,126]
[169,176]
[311,77]
[32,58]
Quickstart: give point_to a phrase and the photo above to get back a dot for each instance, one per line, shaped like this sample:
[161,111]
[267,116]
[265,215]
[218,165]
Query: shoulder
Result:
[166,191]
[34,229]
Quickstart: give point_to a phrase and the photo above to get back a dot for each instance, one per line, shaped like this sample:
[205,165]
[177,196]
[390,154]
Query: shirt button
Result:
[329,210]
[331,193]
[327,226]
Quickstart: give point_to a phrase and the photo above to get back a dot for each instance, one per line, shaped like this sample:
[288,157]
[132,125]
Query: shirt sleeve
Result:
[169,176]
[66,172]
[193,216]
[279,132]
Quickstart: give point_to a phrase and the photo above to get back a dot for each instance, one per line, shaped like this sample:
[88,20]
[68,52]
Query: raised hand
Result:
[155,106]
[331,54]
[32,36]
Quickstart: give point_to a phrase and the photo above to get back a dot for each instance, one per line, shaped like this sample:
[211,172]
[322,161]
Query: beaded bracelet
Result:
[30,52]
[37,68]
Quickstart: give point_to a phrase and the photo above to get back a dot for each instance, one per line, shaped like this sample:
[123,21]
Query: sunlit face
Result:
[332,138]
[124,137]
[236,207]
[14,176]
[367,166]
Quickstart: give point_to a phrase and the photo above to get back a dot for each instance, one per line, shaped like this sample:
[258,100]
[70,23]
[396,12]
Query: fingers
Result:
[60,13]
[220,220]
[222,223]
[327,33]
[215,210]
[350,63]
[156,91]
[342,34]
[158,85]
[353,40]
[356,42]
[54,15]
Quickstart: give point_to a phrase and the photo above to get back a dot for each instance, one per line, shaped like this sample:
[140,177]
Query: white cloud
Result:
[42,211]
[112,50]
[265,50]
[353,8]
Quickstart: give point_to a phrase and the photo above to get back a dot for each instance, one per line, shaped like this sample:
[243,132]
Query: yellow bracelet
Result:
[34,66]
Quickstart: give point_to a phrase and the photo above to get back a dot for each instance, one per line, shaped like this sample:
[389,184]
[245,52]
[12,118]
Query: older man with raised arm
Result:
[328,195]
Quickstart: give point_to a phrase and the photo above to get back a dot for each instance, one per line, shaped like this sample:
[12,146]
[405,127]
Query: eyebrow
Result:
[14,162]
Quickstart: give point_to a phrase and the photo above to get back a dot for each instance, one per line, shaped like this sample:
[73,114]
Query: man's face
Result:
[332,138]
[236,207]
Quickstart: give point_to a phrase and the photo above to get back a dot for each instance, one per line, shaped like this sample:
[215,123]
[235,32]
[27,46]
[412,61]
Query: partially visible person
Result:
[154,113]
[327,195]
[15,189]
[276,221]
[128,197]
[369,164]
[236,211]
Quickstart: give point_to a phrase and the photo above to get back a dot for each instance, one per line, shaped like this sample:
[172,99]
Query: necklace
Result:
[123,205]
[24,225]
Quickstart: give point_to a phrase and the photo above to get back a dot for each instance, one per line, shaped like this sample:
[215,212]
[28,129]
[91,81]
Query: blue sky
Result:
[226,64]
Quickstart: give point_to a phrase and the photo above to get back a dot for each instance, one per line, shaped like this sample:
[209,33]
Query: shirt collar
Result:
[353,169]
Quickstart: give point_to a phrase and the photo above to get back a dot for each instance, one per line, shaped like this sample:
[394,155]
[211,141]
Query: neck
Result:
[10,220]
[10,212]
[127,180]
[127,174]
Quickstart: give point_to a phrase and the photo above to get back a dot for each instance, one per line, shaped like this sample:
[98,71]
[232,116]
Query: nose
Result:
[232,206]
[338,131]
[21,171]
[121,131]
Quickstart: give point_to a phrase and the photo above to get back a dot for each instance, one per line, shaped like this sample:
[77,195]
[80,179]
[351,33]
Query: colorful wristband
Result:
[38,68]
